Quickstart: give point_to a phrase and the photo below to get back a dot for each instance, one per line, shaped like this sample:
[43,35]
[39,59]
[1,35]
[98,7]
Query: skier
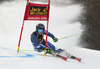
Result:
[39,43]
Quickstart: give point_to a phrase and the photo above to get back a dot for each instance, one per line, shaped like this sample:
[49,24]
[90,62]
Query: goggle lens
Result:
[40,30]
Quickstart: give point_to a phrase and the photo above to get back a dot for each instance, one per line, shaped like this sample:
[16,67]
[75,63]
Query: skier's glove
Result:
[55,39]
[40,48]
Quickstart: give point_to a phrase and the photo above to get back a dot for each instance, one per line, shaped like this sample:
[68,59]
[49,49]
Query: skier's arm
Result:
[34,40]
[49,34]
[52,36]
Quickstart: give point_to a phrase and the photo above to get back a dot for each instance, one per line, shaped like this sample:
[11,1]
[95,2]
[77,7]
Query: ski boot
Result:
[56,54]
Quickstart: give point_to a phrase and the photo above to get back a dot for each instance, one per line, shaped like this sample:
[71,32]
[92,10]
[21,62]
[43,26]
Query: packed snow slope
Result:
[62,23]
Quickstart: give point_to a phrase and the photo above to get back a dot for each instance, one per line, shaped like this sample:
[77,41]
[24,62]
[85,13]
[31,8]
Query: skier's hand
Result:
[40,48]
[55,39]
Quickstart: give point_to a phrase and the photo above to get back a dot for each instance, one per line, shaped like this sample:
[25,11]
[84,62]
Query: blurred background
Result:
[90,20]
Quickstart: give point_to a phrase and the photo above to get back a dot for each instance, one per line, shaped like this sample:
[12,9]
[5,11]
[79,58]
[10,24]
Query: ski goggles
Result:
[40,30]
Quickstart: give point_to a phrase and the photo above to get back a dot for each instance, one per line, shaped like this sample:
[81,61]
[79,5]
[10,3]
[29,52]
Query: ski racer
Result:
[39,43]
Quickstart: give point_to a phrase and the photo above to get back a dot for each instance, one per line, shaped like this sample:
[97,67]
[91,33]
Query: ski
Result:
[62,57]
[65,54]
[75,58]
[57,55]
[78,59]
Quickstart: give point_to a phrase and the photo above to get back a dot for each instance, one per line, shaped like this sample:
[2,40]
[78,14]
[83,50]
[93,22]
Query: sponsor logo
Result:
[34,10]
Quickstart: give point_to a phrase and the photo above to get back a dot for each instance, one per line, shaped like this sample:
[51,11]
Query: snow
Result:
[62,23]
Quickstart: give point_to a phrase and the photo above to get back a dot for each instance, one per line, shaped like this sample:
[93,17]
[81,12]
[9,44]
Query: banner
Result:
[36,12]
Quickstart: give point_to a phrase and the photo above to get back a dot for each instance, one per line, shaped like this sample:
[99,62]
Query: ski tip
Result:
[78,59]
[64,58]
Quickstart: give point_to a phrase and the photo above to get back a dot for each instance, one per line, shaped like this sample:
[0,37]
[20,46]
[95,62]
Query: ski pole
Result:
[69,36]
[28,50]
[25,50]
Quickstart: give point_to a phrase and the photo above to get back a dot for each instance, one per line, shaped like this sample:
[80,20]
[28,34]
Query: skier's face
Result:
[40,31]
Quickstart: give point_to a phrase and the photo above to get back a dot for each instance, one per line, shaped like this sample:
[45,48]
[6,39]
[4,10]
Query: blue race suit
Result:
[39,43]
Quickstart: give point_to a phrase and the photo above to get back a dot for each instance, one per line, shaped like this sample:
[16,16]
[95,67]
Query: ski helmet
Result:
[40,26]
